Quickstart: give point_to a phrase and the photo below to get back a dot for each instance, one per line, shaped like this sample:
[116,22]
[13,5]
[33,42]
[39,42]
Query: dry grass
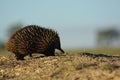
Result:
[69,67]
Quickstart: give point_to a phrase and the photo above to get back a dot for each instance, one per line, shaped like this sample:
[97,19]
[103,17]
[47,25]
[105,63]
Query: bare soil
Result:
[69,67]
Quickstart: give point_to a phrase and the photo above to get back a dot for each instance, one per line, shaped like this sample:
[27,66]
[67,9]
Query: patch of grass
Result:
[107,51]
[84,65]
[4,53]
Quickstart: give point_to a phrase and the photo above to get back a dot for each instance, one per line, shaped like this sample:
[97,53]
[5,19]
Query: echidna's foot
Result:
[19,57]
[50,54]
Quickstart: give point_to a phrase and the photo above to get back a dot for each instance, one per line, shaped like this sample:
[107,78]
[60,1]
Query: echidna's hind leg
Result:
[19,57]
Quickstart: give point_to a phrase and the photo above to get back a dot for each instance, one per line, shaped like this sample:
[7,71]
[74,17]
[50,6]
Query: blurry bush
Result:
[13,28]
[108,37]
[1,45]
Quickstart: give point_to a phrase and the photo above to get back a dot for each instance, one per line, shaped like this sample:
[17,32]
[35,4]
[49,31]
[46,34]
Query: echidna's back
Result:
[31,39]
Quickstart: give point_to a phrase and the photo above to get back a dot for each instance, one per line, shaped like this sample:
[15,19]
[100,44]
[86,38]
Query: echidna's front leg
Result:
[30,55]
[50,52]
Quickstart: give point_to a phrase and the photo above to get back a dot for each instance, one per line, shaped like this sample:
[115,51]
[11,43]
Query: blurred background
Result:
[80,23]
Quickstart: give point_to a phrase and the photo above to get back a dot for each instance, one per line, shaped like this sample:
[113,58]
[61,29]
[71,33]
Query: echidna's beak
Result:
[61,50]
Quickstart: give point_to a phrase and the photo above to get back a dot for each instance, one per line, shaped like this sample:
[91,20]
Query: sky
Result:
[75,20]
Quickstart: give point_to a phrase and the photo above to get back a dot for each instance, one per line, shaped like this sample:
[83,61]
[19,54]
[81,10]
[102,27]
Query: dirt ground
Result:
[85,66]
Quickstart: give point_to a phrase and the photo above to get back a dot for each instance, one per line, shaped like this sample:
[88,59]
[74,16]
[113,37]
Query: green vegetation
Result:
[73,66]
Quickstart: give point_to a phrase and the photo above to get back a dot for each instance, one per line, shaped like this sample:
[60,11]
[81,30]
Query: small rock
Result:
[17,74]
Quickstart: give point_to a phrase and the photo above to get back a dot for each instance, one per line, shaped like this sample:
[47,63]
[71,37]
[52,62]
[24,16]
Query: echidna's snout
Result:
[62,50]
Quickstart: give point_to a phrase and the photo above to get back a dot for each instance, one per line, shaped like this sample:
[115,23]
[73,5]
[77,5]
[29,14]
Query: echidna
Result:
[33,39]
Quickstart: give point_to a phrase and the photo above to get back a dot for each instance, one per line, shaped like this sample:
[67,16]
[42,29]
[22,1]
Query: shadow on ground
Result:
[99,55]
